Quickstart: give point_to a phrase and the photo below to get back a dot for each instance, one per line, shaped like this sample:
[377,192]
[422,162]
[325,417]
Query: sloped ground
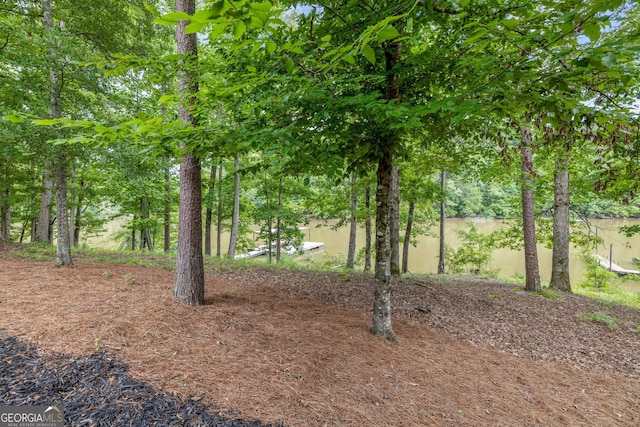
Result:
[293,346]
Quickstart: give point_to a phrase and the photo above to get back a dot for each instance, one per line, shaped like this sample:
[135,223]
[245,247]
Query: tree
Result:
[528,213]
[353,225]
[189,277]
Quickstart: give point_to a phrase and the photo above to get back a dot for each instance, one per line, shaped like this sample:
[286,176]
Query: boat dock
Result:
[613,267]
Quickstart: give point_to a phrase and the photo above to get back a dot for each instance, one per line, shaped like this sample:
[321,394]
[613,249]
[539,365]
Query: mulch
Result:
[96,390]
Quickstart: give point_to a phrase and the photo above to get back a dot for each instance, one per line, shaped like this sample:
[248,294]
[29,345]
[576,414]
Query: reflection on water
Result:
[423,258]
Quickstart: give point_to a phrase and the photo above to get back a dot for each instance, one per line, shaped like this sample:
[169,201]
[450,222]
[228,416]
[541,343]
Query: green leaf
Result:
[289,65]
[251,69]
[216,30]
[195,27]
[13,118]
[350,59]
[137,11]
[388,33]
[610,59]
[476,35]
[326,38]
[176,16]
[151,9]
[166,98]
[271,47]
[592,31]
[611,127]
[369,54]
[263,7]
[238,29]
[464,3]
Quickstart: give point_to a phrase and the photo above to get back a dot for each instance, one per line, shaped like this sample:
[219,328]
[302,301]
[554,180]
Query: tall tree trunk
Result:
[269,225]
[34,219]
[532,269]
[145,233]
[560,264]
[133,235]
[381,324]
[443,177]
[367,230]
[72,201]
[209,210]
[43,224]
[353,224]
[279,223]
[189,277]
[235,217]
[167,210]
[63,248]
[219,218]
[394,223]
[5,210]
[407,234]
[77,222]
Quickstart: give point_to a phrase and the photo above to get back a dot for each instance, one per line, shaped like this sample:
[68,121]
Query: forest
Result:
[225,115]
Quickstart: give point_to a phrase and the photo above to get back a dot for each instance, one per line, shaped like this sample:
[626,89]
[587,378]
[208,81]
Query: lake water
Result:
[423,258]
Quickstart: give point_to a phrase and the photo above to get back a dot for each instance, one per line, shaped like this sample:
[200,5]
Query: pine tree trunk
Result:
[189,277]
[443,177]
[561,233]
[367,230]
[235,219]
[394,223]
[381,324]
[532,281]
[63,249]
[72,202]
[5,210]
[167,210]
[209,210]
[279,223]
[407,234]
[43,224]
[353,226]
[219,218]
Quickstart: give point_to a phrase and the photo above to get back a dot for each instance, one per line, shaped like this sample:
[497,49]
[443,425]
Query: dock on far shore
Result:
[611,266]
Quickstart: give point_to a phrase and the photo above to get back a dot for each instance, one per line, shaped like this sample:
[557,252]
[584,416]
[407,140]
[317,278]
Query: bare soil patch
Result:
[293,346]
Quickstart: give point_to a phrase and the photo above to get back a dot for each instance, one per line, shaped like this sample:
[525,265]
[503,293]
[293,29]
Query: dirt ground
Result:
[294,347]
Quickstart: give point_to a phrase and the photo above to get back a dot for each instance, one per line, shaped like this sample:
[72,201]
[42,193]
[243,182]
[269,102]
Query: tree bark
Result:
[77,220]
[5,210]
[381,324]
[443,177]
[561,233]
[219,218]
[72,202]
[532,281]
[279,223]
[367,230]
[189,277]
[43,225]
[209,210]
[167,210]
[353,226]
[63,248]
[394,223]
[235,218]
[407,234]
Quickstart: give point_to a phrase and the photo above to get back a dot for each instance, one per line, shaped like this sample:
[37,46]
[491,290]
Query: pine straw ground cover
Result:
[293,346]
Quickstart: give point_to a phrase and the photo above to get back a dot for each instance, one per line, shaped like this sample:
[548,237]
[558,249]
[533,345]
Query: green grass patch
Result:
[599,317]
